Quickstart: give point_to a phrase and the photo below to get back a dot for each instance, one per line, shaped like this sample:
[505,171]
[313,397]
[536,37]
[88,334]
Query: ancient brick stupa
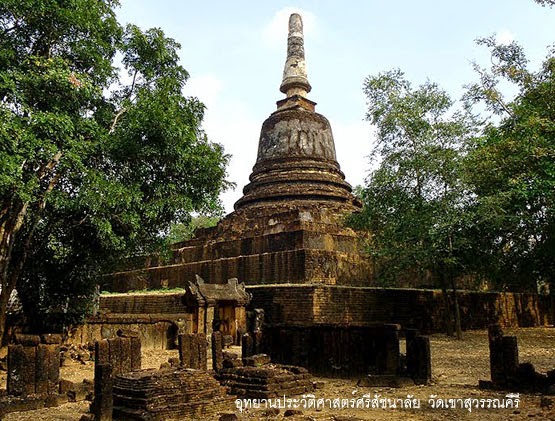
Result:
[288,226]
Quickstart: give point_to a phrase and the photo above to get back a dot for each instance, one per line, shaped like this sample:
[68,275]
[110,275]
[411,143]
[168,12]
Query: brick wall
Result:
[306,305]
[333,330]
[143,303]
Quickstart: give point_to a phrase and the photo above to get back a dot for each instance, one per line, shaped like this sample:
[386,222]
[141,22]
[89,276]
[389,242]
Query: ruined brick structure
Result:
[287,241]
[288,226]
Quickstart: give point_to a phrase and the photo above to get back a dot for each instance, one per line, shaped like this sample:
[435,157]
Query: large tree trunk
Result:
[13,216]
[452,308]
[456,310]
[9,231]
[4,297]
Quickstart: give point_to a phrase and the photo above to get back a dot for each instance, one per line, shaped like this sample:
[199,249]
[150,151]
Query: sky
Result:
[235,50]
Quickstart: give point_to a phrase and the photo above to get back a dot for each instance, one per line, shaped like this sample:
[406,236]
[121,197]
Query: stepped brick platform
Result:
[268,381]
[168,394]
[289,225]
[307,244]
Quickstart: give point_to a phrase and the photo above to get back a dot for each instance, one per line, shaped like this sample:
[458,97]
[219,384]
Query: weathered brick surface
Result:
[33,369]
[330,329]
[122,354]
[143,303]
[282,243]
[169,394]
[306,305]
[154,329]
[192,349]
[327,350]
[268,381]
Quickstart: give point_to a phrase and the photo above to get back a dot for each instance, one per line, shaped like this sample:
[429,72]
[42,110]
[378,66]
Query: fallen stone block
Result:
[292,412]
[66,386]
[257,360]
[57,399]
[319,384]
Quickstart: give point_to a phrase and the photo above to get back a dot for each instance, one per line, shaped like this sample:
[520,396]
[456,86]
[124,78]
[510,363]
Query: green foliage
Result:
[414,203]
[147,291]
[186,231]
[511,167]
[93,168]
[453,198]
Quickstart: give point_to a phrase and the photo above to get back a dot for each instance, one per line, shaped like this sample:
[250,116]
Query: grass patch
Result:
[146,291]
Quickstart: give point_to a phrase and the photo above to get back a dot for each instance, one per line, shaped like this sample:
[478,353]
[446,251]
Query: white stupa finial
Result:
[295,81]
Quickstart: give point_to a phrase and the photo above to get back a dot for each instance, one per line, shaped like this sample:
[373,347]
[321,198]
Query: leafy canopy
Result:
[511,167]
[414,202]
[96,162]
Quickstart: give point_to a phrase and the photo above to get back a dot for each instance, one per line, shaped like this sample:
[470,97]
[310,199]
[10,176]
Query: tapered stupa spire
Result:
[295,81]
[296,164]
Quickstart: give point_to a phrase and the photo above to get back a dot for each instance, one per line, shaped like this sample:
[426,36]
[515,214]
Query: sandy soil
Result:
[457,366]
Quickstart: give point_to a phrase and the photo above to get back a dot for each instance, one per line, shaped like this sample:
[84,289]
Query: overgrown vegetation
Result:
[459,194]
[96,162]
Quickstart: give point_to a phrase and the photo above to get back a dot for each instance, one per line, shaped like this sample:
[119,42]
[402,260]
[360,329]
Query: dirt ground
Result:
[456,365]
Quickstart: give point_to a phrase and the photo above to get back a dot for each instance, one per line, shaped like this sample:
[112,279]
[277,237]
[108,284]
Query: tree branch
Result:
[124,109]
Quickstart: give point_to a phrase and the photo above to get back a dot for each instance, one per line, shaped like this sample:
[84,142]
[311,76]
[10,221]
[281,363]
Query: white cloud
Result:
[275,31]
[504,37]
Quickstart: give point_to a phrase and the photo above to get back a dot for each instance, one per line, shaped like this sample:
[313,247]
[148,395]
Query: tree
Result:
[186,231]
[92,168]
[549,3]
[511,167]
[415,202]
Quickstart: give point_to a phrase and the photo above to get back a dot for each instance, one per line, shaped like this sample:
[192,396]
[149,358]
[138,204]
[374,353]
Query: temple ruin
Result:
[288,226]
[287,242]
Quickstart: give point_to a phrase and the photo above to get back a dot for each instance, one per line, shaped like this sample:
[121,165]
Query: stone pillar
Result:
[217,354]
[43,361]
[101,352]
[103,400]
[184,347]
[202,347]
[16,382]
[192,350]
[423,360]
[510,357]
[125,355]
[410,335]
[258,324]
[114,346]
[135,344]
[247,345]
[419,358]
[388,352]
[495,336]
[208,321]
[201,320]
[241,319]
